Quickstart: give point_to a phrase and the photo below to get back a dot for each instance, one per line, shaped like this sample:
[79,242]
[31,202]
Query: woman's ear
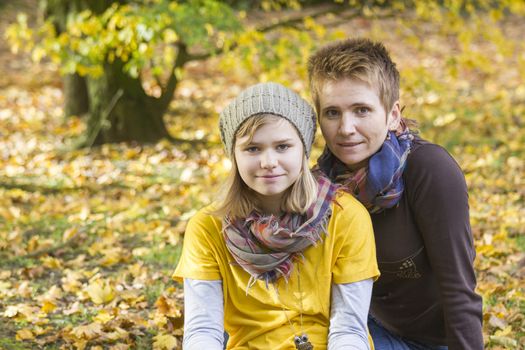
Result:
[394,117]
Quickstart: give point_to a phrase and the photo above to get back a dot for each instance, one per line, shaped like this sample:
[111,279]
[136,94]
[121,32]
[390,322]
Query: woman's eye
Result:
[251,149]
[283,147]
[362,110]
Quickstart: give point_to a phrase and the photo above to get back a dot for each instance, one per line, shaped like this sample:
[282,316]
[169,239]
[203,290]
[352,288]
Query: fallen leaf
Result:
[100,292]
[164,342]
[104,316]
[504,341]
[497,322]
[48,306]
[168,306]
[87,332]
[25,334]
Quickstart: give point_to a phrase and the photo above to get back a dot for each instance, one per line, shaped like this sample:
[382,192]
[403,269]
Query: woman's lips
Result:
[348,144]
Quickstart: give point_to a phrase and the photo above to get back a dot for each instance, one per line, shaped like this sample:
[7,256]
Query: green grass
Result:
[153,291]
[12,344]
[165,258]
[520,242]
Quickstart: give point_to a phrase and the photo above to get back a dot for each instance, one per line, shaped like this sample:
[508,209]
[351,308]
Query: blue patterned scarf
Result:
[379,185]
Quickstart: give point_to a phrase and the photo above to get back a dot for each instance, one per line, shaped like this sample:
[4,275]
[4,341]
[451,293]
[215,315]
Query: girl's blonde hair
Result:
[238,200]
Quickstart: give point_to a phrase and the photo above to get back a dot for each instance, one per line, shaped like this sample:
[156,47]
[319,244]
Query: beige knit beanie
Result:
[268,98]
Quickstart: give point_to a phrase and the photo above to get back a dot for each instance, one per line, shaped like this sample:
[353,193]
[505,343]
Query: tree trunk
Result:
[120,110]
[74,86]
[76,100]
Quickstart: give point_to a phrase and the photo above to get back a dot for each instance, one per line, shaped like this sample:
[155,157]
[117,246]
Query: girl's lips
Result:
[269,176]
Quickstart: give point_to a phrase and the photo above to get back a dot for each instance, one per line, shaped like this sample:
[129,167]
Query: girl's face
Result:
[271,161]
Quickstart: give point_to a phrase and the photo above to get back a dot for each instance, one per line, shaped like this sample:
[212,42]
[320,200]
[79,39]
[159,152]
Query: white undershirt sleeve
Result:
[348,316]
[203,315]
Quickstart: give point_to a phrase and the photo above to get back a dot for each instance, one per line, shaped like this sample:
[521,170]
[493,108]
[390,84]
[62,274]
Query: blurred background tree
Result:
[109,51]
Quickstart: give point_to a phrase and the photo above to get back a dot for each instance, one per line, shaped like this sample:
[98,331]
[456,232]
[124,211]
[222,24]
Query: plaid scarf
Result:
[266,246]
[379,185]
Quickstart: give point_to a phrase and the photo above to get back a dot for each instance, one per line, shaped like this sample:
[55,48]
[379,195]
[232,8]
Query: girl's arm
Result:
[203,315]
[349,314]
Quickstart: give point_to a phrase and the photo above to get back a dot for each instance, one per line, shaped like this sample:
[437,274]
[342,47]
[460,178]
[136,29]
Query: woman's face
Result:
[271,162]
[353,121]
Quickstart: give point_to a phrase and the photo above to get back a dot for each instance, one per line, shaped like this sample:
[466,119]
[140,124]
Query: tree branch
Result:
[288,22]
[167,92]
[341,19]
[291,22]
[90,139]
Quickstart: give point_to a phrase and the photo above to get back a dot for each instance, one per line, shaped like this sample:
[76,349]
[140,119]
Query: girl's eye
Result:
[331,113]
[251,149]
[283,147]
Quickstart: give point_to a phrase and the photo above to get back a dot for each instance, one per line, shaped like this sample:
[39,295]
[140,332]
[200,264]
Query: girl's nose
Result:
[268,160]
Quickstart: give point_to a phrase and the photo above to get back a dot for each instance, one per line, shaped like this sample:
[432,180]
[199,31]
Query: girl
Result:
[277,263]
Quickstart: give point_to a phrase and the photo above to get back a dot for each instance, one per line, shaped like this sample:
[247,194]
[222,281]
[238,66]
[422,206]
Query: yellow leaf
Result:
[53,294]
[87,332]
[48,306]
[69,233]
[164,342]
[113,256]
[51,263]
[24,334]
[504,341]
[117,334]
[11,311]
[119,346]
[103,316]
[168,307]
[24,289]
[100,292]
[504,332]
[73,309]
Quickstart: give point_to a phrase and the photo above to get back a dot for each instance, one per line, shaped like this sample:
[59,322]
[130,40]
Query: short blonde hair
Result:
[359,59]
[239,200]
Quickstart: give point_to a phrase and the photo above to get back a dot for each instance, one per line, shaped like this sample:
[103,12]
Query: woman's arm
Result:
[439,200]
[348,316]
[203,315]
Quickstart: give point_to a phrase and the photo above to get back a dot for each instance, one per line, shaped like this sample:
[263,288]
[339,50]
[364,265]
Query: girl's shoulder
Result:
[346,208]
[204,220]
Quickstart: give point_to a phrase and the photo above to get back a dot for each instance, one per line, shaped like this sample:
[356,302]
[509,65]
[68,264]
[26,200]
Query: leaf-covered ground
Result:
[89,238]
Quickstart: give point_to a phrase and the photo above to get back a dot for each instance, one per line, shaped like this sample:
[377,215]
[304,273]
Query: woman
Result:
[277,262]
[415,193]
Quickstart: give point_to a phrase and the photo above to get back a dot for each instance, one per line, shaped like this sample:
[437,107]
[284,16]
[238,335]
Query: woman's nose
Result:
[347,125]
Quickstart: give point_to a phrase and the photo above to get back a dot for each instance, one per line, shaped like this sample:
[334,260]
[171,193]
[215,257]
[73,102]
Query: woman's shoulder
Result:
[426,156]
[432,167]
